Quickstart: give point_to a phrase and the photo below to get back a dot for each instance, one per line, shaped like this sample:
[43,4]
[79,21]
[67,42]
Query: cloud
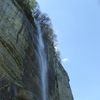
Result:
[65,60]
[56,48]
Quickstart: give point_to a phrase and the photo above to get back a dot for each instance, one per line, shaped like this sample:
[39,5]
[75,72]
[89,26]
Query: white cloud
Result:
[65,60]
[56,48]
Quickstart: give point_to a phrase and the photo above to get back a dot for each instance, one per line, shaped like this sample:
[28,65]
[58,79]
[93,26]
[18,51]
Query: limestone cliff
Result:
[19,69]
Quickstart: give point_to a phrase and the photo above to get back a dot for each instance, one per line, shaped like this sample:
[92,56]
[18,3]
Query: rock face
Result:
[19,70]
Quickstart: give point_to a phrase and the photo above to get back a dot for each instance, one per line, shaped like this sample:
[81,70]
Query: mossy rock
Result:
[27,5]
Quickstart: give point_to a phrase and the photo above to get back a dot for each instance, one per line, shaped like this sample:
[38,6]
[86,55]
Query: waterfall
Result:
[42,62]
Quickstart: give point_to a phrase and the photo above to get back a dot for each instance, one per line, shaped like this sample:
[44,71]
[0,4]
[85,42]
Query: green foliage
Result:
[47,30]
[32,3]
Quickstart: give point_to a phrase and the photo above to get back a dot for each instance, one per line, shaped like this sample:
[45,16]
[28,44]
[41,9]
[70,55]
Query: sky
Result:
[77,26]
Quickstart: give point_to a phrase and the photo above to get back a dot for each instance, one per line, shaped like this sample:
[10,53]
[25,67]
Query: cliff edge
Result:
[19,68]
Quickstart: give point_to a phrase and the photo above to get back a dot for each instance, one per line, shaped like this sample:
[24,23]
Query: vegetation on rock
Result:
[19,70]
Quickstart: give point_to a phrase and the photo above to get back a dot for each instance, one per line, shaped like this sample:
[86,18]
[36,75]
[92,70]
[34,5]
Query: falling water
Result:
[42,62]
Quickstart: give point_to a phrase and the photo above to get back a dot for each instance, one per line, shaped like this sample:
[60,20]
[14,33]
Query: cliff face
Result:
[19,69]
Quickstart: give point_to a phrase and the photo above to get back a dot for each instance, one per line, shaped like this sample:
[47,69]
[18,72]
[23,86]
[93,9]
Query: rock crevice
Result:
[19,69]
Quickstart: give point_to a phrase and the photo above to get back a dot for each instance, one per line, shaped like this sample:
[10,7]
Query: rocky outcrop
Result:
[19,70]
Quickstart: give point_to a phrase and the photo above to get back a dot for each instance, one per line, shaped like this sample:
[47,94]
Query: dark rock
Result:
[19,70]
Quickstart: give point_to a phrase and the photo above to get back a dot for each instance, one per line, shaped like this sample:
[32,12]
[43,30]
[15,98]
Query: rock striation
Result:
[19,69]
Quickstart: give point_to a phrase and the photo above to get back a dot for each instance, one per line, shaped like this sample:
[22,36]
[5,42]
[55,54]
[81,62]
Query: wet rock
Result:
[19,70]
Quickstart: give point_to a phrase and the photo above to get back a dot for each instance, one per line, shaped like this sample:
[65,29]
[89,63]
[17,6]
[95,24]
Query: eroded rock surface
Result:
[19,70]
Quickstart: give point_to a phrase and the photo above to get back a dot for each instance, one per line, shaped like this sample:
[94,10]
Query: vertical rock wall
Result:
[19,71]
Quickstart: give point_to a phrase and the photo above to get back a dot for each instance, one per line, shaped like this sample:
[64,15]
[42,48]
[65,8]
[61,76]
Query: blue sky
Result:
[77,25]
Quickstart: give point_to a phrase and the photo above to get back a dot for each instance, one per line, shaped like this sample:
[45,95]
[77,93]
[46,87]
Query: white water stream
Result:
[42,62]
